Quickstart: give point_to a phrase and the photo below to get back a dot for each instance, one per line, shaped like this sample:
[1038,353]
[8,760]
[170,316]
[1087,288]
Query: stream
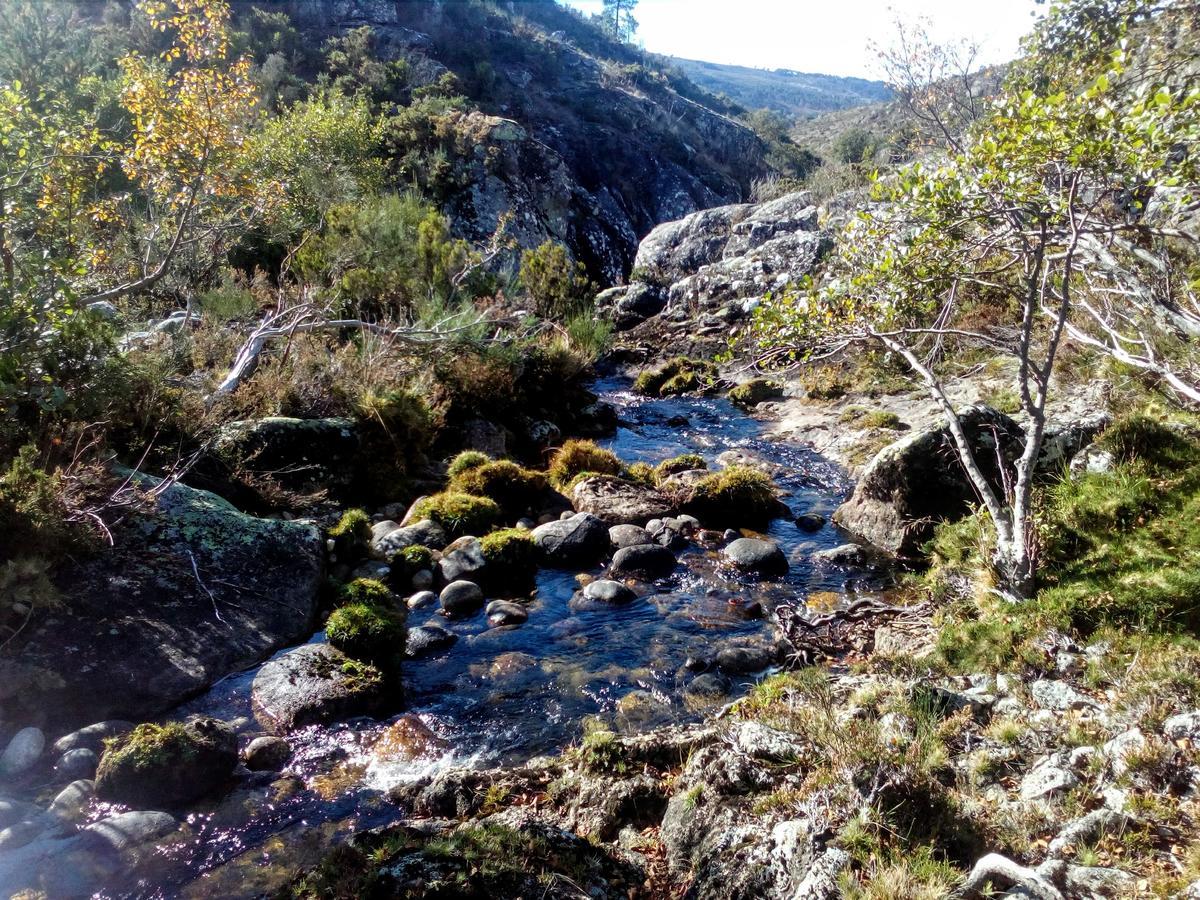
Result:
[503,696]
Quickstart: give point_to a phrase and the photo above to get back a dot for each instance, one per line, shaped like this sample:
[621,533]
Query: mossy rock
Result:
[459,514]
[516,490]
[369,632]
[465,461]
[351,536]
[687,462]
[364,590]
[302,455]
[738,495]
[315,684]
[576,458]
[167,765]
[406,563]
[677,376]
[511,557]
[754,392]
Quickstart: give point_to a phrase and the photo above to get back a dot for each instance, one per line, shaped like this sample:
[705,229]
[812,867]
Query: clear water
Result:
[505,695]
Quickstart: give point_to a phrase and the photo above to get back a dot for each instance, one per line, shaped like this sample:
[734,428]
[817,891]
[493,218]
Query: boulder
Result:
[314,684]
[755,555]
[648,562]
[618,502]
[461,598]
[918,481]
[674,250]
[629,536]
[605,591]
[580,540]
[167,765]
[298,454]
[22,753]
[389,538]
[191,591]
[464,562]
[505,612]
[429,639]
[632,305]
[268,753]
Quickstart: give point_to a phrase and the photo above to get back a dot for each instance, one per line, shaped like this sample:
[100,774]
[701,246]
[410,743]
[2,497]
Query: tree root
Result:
[831,636]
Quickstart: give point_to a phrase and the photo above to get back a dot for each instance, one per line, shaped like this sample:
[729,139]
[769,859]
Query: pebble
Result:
[422,599]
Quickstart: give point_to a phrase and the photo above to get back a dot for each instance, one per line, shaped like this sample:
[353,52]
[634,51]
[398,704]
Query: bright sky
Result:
[825,36]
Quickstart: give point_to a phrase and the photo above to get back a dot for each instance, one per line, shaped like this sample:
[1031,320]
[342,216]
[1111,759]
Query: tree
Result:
[1022,217]
[617,18]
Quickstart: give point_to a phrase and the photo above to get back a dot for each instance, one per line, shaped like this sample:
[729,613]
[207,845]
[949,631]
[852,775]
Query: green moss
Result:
[642,473]
[407,562]
[755,391]
[1006,400]
[881,418]
[577,457]
[468,459]
[365,590]
[511,558]
[149,746]
[738,495]
[368,632]
[351,535]
[460,514]
[677,376]
[685,463]
[515,489]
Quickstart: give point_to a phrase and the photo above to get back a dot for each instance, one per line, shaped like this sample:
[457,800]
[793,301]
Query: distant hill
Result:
[799,95]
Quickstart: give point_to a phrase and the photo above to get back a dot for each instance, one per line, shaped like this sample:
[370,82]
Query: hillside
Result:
[800,95]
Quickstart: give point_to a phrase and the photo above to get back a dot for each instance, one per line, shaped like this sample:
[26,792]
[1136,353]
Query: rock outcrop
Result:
[192,590]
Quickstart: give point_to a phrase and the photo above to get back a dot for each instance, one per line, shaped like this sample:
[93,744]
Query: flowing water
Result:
[501,696]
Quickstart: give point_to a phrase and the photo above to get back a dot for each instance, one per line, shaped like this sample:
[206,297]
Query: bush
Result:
[754,392]
[677,376]
[738,495]
[364,590]
[685,463]
[856,145]
[368,632]
[577,457]
[559,288]
[468,459]
[351,535]
[513,488]
[511,558]
[459,514]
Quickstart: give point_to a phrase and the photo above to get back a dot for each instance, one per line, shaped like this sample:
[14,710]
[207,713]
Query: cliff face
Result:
[572,134]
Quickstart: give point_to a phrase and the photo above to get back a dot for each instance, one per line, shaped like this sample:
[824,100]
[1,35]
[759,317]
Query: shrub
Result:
[736,495]
[468,459]
[407,562]
[684,463]
[576,457]
[511,558]
[351,535]
[588,336]
[677,376]
[459,514]
[856,145]
[364,590]
[754,392]
[367,631]
[559,288]
[512,487]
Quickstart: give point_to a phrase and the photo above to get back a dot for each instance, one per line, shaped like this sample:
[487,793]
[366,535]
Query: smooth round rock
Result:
[267,754]
[505,612]
[578,540]
[743,660]
[70,804]
[461,598]
[649,562]
[422,599]
[22,752]
[709,686]
[429,639]
[621,536]
[93,736]
[754,555]
[605,590]
[78,763]
[422,580]
[462,562]
[132,829]
[810,522]
[843,555]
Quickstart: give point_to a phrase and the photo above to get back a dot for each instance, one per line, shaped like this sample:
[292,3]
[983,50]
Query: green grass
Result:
[577,457]
[460,514]
[677,376]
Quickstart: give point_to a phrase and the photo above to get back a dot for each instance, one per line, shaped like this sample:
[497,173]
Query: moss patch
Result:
[351,535]
[368,632]
[460,514]
[677,376]
[465,461]
[755,391]
[738,495]
[576,458]
[685,463]
[511,558]
[514,489]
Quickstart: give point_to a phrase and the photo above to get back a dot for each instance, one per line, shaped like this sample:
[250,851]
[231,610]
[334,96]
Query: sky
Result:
[826,36]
